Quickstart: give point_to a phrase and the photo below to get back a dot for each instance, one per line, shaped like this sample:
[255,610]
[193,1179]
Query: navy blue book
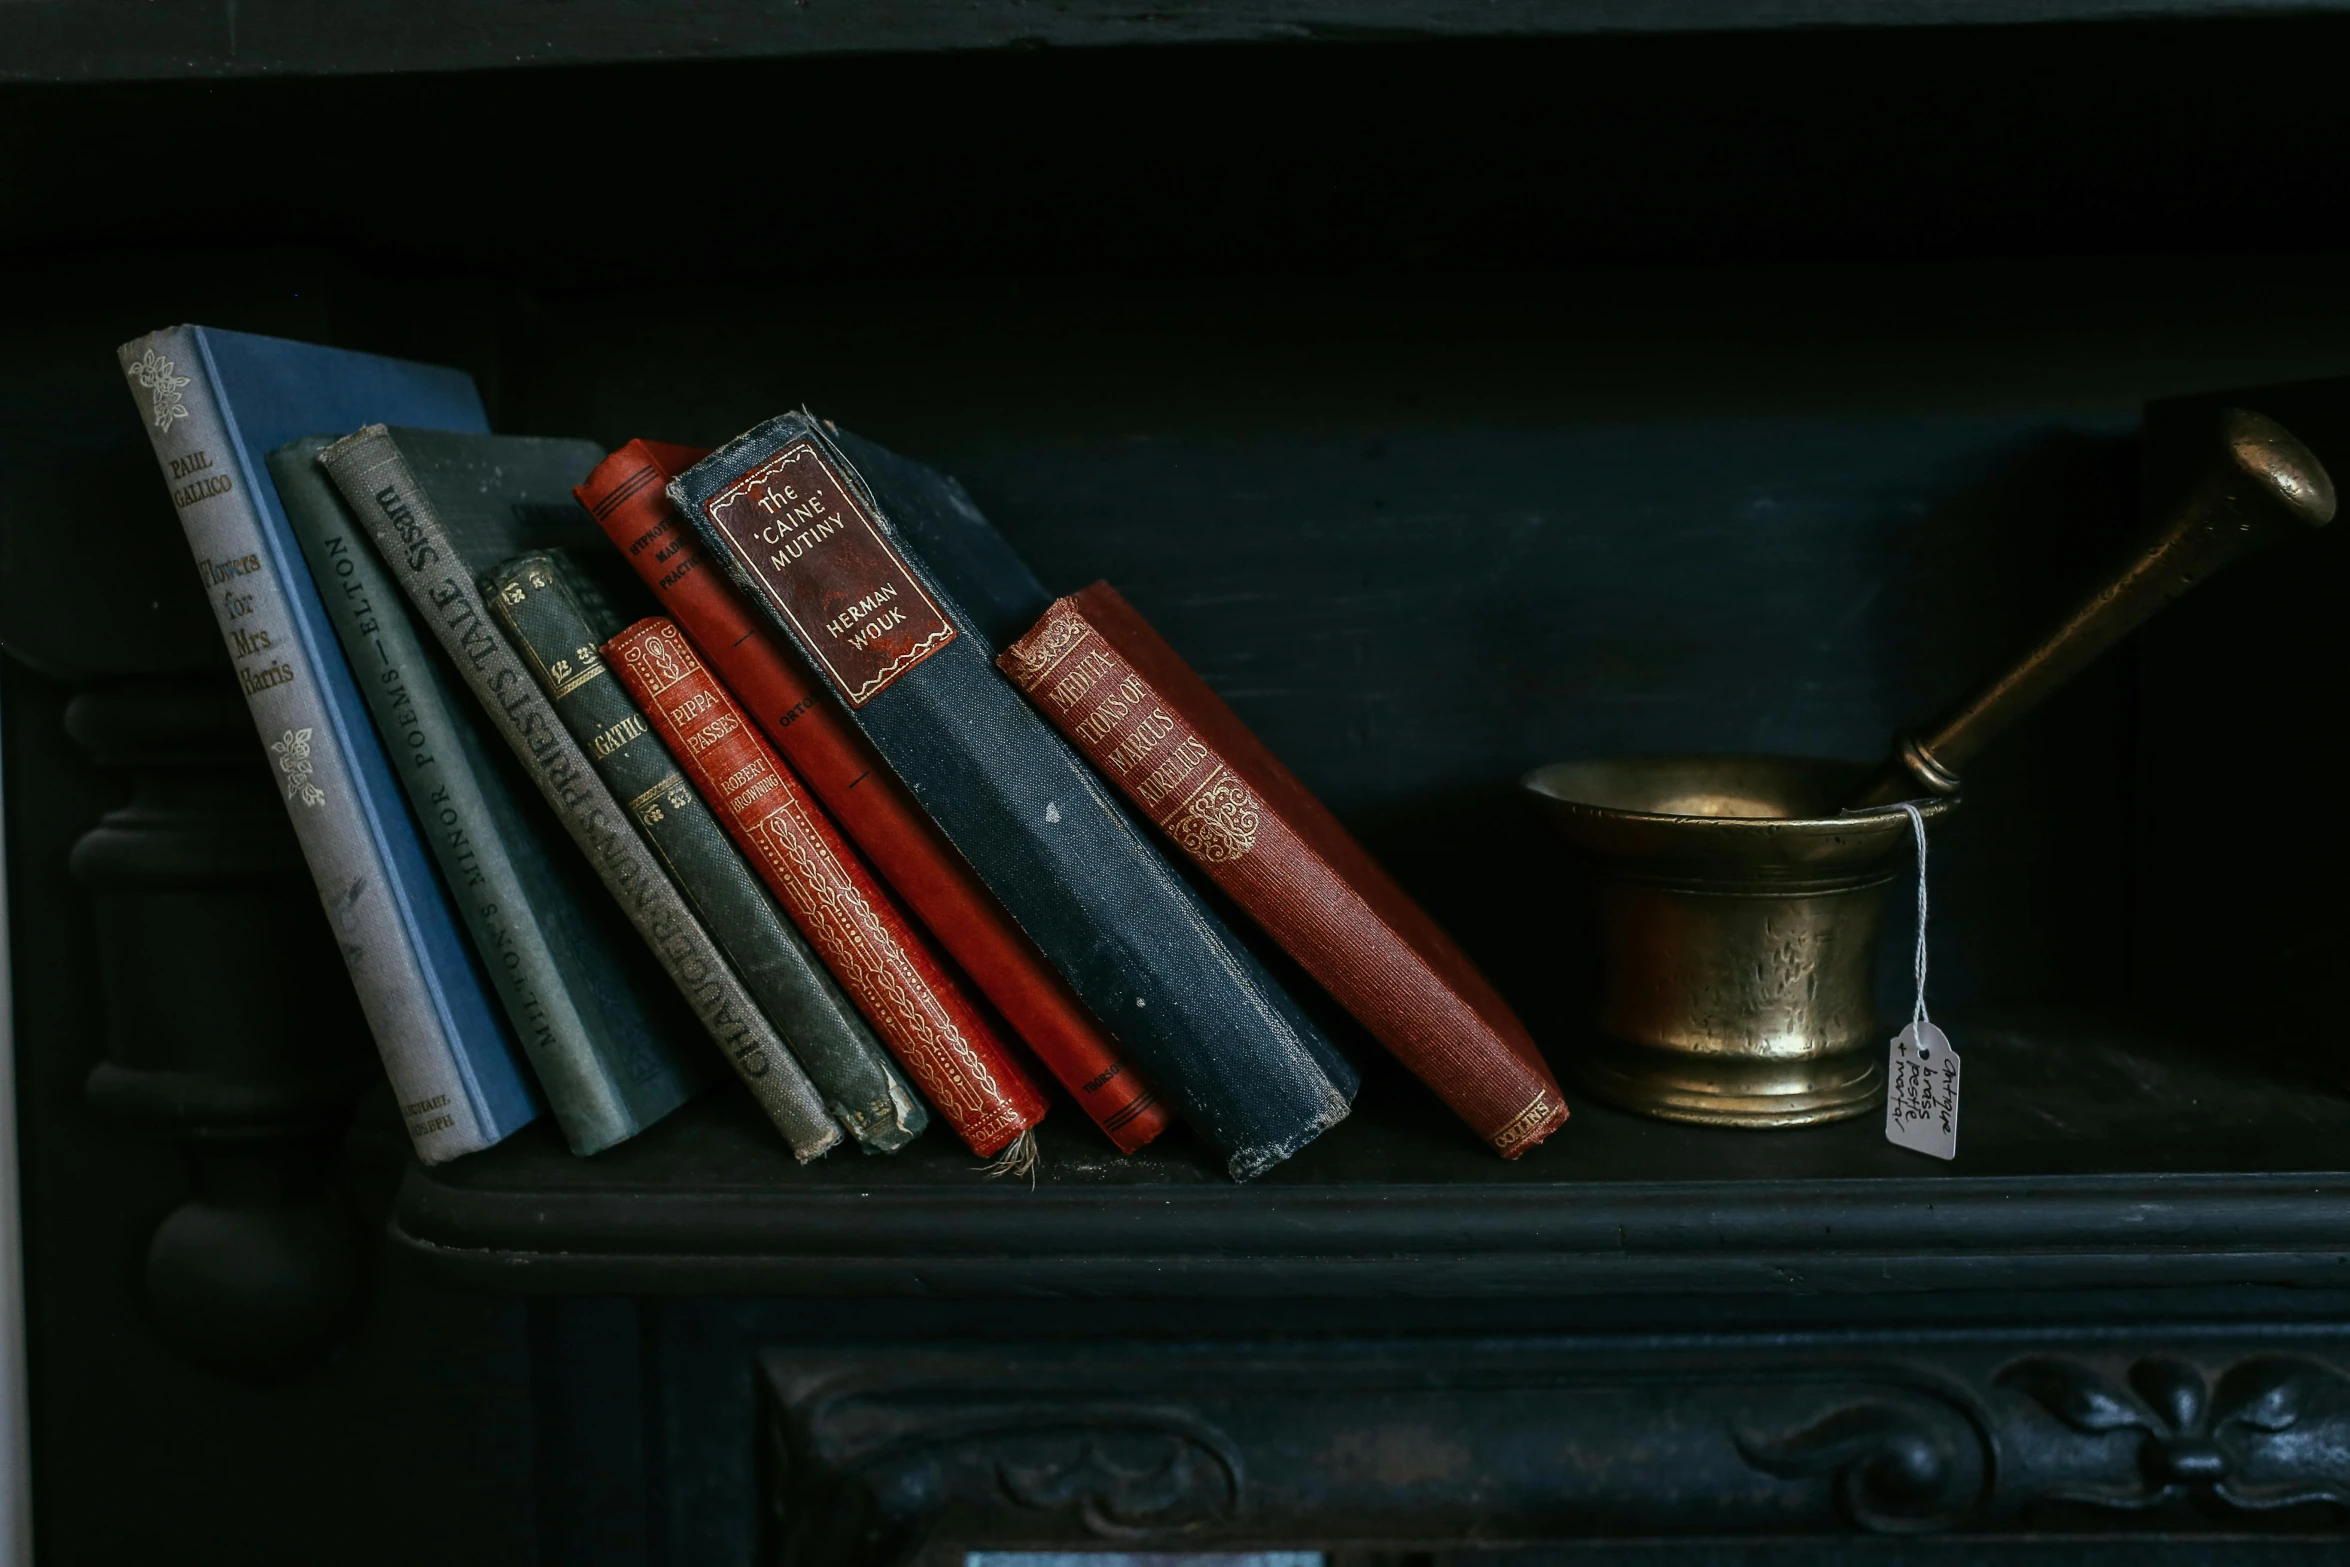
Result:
[214,404]
[842,563]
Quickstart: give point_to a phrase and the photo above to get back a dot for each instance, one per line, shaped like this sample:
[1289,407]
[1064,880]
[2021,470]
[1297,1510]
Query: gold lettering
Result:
[711,733]
[742,775]
[618,735]
[871,631]
[1177,767]
[862,608]
[1086,669]
[187,495]
[1145,739]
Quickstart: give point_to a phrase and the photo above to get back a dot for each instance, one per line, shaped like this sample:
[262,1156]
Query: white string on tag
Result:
[1917,825]
[1921,1072]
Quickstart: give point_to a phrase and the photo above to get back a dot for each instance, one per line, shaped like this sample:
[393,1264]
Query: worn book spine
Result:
[544,619]
[1140,714]
[452,1069]
[934,1028]
[626,497]
[398,515]
[606,1074]
[810,545]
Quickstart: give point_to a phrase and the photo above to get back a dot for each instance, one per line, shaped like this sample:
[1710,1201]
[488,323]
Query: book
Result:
[580,996]
[213,403]
[626,496]
[550,626]
[885,963]
[811,545]
[485,478]
[1108,681]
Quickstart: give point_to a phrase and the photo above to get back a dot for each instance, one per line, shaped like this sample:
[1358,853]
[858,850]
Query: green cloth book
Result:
[430,501]
[584,997]
[559,624]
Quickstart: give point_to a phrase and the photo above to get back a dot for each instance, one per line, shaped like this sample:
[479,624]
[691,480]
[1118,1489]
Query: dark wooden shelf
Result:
[125,40]
[1553,378]
[2090,1157]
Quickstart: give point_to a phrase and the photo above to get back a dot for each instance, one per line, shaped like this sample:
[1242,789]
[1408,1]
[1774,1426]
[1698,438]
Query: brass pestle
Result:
[2259,484]
[1738,906]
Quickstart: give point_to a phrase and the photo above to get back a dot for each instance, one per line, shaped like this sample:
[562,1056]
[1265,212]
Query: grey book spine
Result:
[542,611]
[218,506]
[368,468]
[607,1073]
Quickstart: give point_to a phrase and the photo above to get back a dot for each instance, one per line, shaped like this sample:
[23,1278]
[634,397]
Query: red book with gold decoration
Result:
[1140,714]
[625,497]
[879,958]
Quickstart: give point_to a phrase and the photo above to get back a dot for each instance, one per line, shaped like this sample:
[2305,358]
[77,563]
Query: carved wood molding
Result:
[879,1455]
[229,1026]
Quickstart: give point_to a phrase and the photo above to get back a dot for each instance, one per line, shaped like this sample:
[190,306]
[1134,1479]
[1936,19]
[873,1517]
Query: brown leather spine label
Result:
[824,560]
[873,810]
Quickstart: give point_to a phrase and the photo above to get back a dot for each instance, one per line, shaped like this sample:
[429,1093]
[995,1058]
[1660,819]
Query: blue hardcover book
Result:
[214,404]
[864,566]
[583,995]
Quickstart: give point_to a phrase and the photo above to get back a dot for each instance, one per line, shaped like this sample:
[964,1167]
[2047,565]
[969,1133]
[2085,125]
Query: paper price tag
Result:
[1921,1092]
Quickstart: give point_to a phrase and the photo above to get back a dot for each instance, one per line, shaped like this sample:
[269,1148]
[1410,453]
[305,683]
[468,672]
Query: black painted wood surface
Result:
[1136,179]
[1385,1445]
[59,40]
[2088,1160]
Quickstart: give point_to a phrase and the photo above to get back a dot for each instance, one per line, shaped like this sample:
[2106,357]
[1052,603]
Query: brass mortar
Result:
[1738,922]
[1738,907]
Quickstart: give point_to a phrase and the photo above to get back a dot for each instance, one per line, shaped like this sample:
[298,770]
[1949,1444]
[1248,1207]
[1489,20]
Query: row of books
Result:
[591,753]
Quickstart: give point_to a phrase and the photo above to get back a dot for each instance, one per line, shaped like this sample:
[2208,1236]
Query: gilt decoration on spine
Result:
[374,476]
[875,811]
[1198,1013]
[918,1008]
[1152,727]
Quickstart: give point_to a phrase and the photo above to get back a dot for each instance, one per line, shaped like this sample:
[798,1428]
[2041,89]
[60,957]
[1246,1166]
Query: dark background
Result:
[1456,407]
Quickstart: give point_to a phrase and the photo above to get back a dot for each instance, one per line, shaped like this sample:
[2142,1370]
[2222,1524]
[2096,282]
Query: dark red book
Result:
[1125,699]
[625,497]
[935,1030]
